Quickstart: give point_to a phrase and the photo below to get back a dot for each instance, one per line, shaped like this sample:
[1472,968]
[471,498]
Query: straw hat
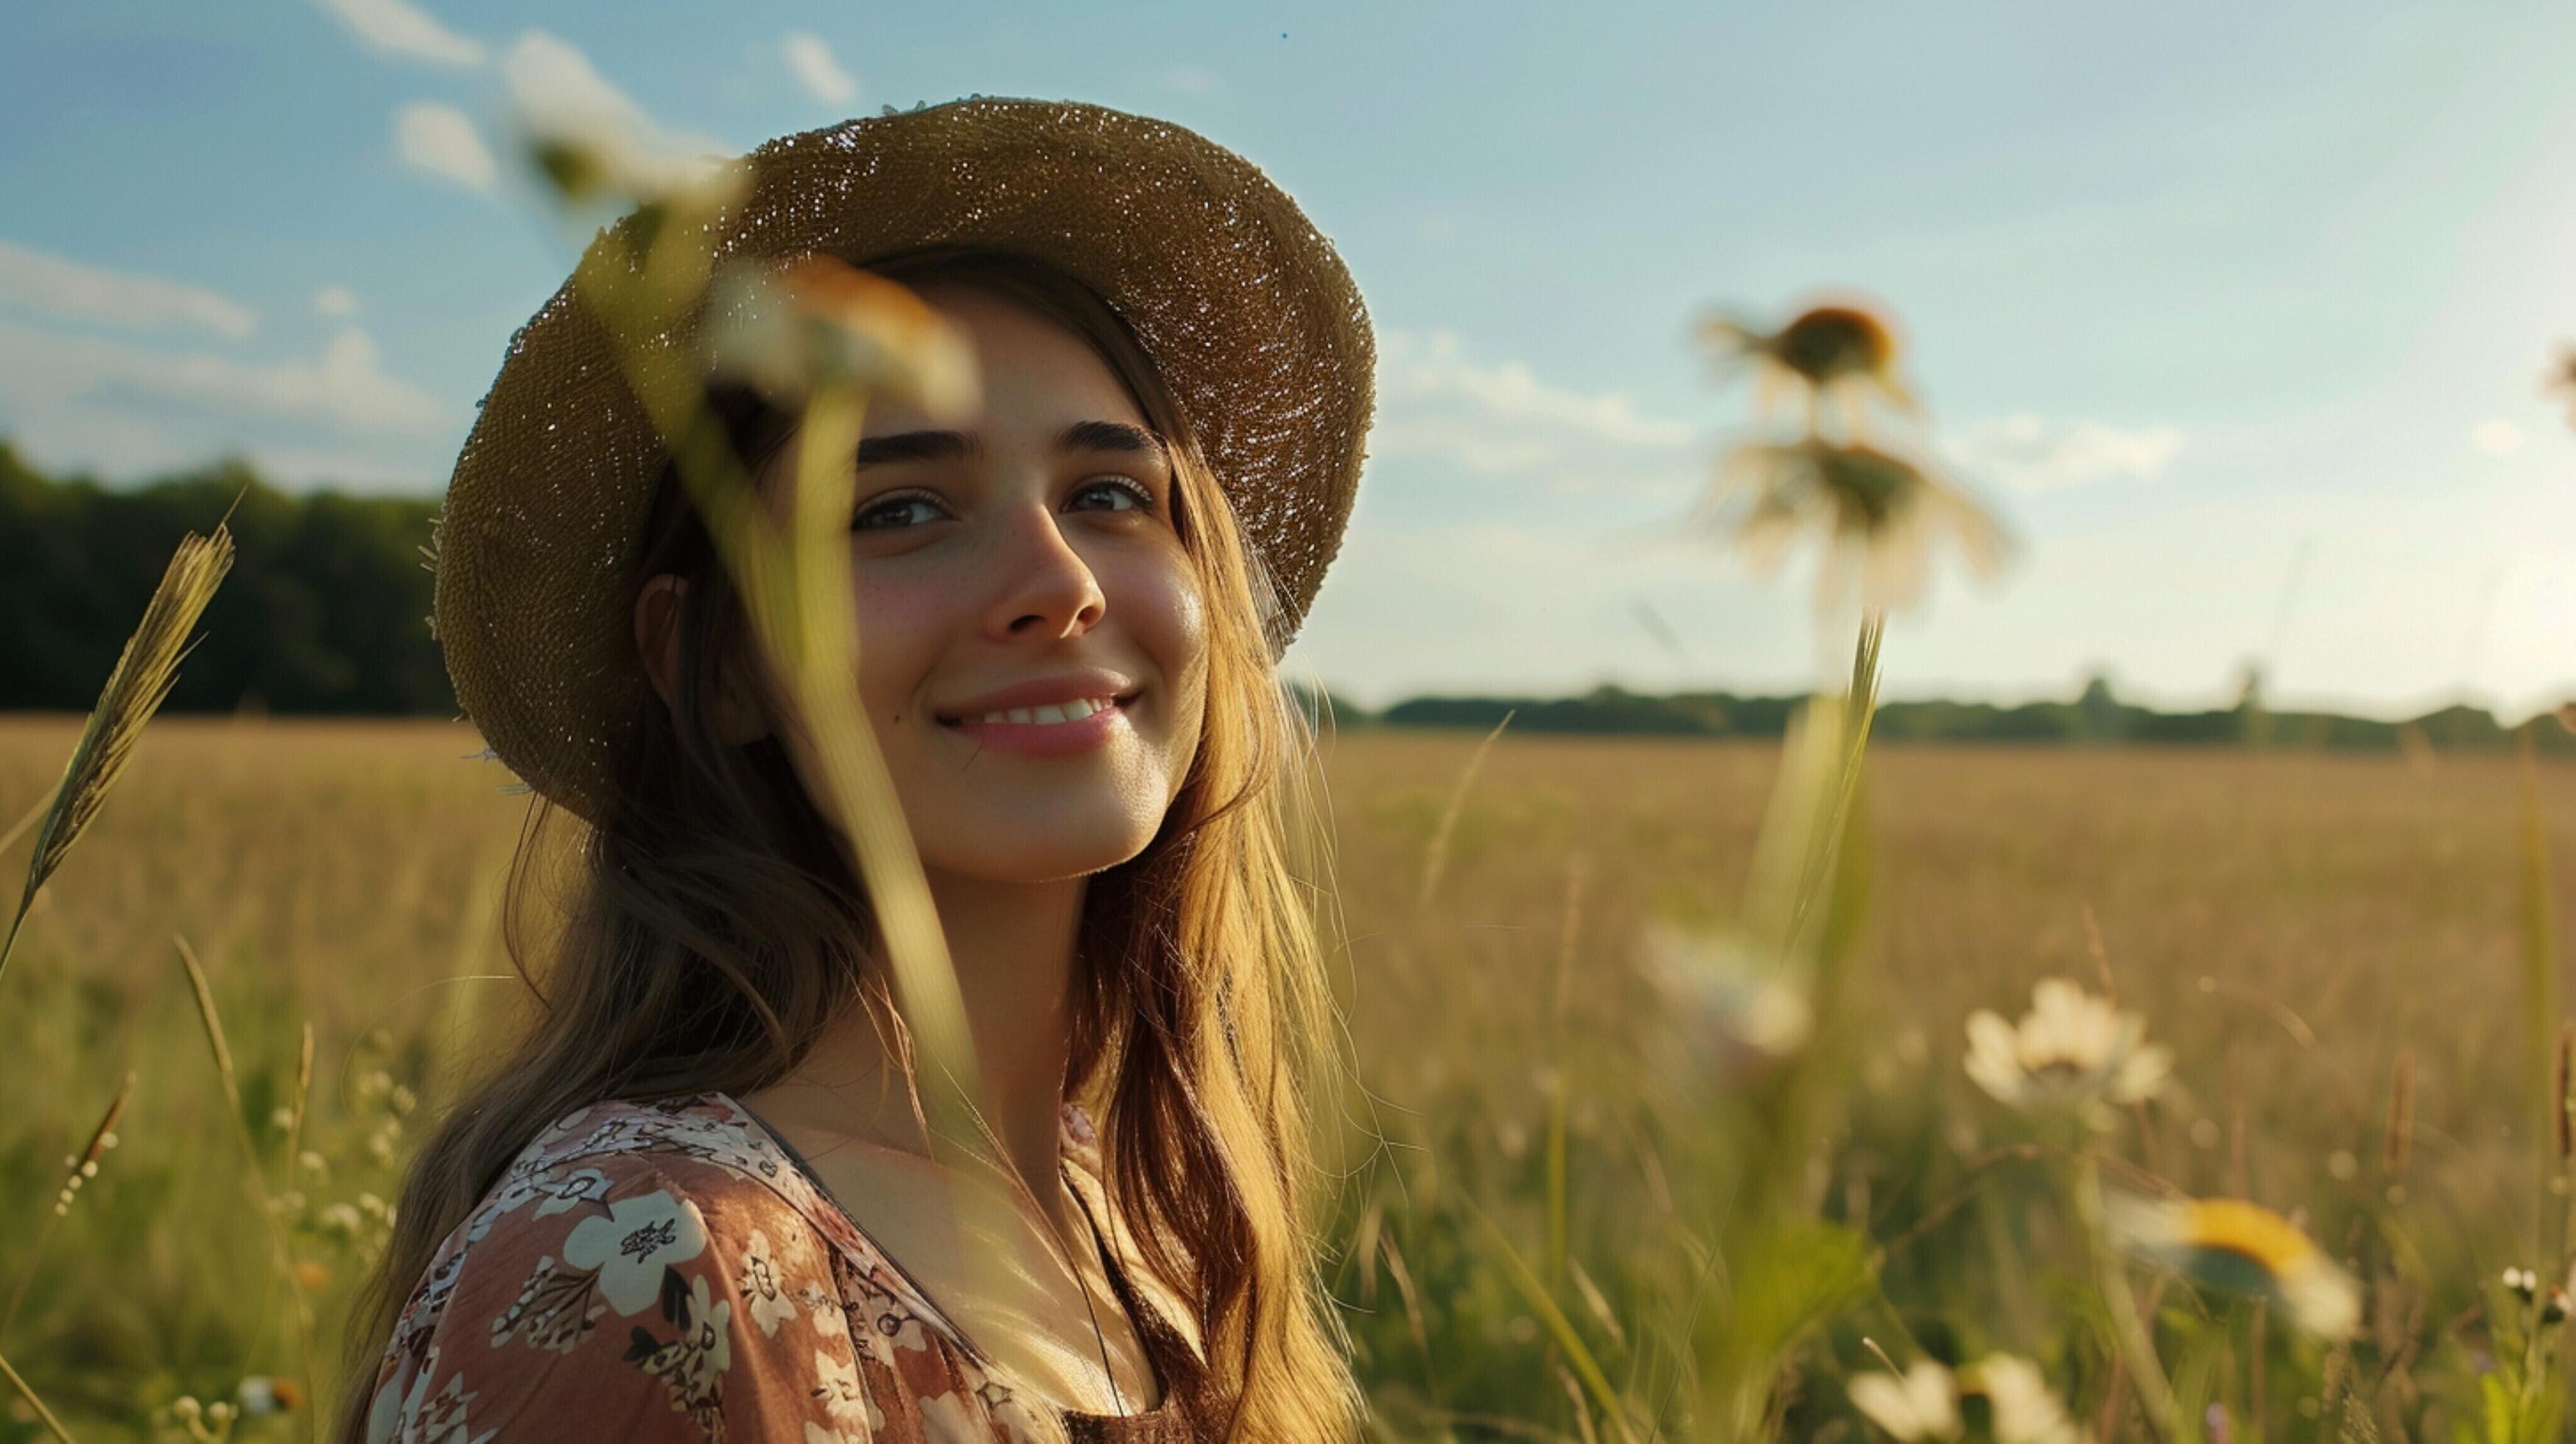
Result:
[1246,309]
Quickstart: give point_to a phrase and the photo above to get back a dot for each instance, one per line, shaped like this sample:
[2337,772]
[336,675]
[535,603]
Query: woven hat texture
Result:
[1245,308]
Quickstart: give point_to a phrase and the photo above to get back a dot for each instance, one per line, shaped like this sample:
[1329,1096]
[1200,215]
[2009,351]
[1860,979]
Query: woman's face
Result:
[1032,638]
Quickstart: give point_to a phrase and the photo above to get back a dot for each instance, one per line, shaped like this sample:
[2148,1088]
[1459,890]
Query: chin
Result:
[1033,850]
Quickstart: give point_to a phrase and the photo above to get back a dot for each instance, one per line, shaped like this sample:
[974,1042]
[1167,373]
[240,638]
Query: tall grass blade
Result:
[2539,967]
[25,820]
[24,1392]
[1436,860]
[1559,1327]
[135,688]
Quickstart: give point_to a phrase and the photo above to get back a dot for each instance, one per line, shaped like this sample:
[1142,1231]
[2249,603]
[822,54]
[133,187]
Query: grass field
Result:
[2289,923]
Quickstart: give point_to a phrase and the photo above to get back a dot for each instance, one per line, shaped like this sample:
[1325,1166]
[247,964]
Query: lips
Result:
[1049,714]
[1058,700]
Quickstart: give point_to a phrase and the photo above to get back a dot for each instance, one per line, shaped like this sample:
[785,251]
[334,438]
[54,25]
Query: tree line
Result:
[327,612]
[326,609]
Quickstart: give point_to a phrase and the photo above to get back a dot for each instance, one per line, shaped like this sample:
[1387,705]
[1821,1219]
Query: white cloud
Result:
[336,301]
[396,27]
[58,286]
[442,141]
[1498,418]
[557,92]
[1190,79]
[345,388]
[2497,437]
[2034,454]
[810,60]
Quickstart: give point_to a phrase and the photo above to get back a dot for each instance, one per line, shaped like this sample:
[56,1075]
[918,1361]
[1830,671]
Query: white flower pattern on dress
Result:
[769,1304]
[553,1309]
[630,1246]
[944,1420]
[690,1364]
[844,1397]
[560,1191]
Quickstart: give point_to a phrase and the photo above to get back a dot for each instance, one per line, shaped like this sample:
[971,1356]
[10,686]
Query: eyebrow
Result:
[1112,436]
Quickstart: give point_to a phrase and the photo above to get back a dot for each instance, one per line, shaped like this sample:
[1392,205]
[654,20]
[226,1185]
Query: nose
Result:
[1045,589]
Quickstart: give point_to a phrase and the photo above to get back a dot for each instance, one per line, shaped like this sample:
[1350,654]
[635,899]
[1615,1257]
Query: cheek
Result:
[1168,616]
[900,623]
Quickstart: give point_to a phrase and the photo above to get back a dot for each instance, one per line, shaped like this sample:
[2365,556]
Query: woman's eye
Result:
[896,513]
[1123,494]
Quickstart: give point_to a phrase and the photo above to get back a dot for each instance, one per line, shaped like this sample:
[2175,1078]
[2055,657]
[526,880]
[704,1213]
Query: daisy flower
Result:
[2071,1052]
[1729,1008]
[2021,1408]
[1878,515]
[1839,352]
[1922,1403]
[791,328]
[2245,1248]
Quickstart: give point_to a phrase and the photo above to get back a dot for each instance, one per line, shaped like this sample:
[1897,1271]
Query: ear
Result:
[657,643]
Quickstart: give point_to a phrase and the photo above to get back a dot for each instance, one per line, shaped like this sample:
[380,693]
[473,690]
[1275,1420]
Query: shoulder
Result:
[634,1270]
[627,1190]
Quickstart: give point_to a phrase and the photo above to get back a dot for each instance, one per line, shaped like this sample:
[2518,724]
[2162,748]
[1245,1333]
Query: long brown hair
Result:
[714,929]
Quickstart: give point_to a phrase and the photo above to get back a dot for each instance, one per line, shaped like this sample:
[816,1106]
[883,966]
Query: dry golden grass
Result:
[2340,908]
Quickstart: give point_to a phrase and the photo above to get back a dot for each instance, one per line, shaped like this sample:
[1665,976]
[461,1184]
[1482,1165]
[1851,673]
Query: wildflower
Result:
[1834,351]
[261,1394]
[2071,1051]
[588,143]
[1923,1403]
[2562,377]
[2556,1310]
[1878,514]
[792,328]
[311,1276]
[2022,1409]
[2242,1247]
[2522,1283]
[1731,1010]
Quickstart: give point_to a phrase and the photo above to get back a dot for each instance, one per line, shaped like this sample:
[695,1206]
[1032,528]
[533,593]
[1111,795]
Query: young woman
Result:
[695,1200]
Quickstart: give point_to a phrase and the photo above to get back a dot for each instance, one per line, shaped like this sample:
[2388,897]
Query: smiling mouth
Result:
[1053,714]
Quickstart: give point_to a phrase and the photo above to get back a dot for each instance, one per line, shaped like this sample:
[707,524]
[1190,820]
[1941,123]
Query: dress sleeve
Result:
[647,1300]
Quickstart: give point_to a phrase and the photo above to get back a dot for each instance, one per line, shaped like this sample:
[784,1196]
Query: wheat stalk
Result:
[135,689]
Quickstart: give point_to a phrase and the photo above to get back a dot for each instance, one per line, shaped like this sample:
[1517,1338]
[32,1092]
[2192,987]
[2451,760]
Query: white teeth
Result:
[1073,711]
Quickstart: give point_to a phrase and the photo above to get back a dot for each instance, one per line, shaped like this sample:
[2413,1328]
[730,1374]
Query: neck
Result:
[1012,946]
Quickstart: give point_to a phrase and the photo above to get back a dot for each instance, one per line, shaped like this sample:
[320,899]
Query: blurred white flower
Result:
[2070,1052]
[1726,1004]
[1876,513]
[1834,351]
[2245,1248]
[592,143]
[1922,1404]
[814,321]
[2023,1409]
[261,1394]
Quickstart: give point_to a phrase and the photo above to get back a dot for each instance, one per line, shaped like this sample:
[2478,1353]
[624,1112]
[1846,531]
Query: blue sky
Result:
[2237,313]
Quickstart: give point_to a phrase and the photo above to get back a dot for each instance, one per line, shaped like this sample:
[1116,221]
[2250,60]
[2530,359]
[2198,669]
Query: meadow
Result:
[1522,1233]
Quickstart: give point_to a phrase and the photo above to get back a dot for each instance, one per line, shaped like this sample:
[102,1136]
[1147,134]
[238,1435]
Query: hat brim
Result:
[1246,310]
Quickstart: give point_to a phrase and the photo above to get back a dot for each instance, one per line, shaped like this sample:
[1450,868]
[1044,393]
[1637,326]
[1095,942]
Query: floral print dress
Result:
[670,1271]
